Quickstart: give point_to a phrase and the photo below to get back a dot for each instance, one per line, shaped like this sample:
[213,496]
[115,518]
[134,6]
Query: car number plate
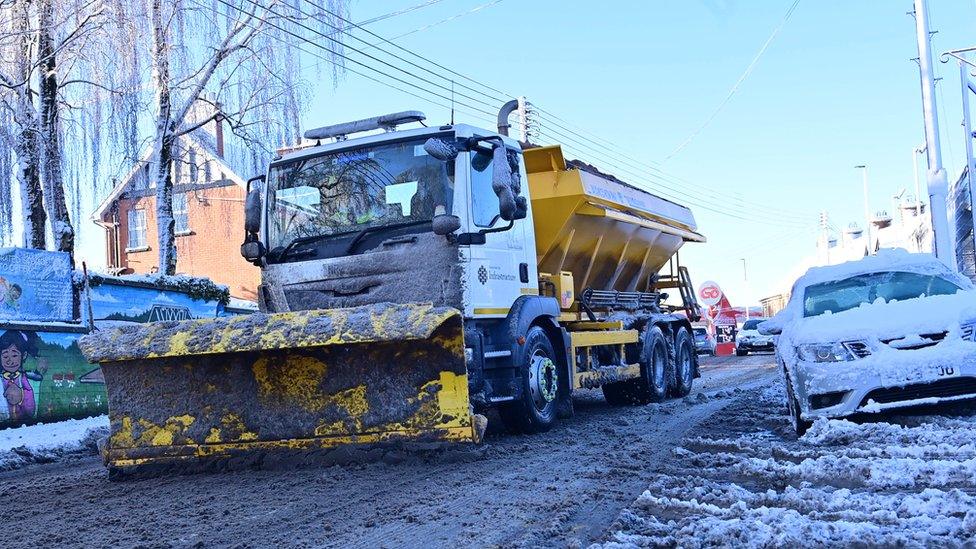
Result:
[920,375]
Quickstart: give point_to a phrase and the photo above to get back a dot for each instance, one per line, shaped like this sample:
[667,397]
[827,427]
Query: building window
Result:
[181,214]
[137,230]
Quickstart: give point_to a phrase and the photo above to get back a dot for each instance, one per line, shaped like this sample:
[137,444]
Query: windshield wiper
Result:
[302,240]
[359,236]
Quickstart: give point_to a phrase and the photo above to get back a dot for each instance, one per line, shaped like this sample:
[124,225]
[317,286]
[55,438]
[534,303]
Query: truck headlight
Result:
[825,352]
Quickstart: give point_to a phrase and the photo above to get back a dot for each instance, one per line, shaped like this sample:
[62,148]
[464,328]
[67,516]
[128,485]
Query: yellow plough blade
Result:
[283,382]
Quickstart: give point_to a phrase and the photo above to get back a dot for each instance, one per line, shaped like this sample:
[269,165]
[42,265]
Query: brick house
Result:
[208,207]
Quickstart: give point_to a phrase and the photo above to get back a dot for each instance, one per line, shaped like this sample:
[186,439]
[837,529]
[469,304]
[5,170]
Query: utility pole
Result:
[526,120]
[867,210]
[968,87]
[918,187]
[936,175]
[745,278]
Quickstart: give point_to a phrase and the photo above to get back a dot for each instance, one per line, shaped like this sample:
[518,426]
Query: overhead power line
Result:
[678,195]
[735,87]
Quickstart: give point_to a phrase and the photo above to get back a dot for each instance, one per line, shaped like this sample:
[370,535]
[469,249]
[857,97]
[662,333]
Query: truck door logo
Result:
[483,275]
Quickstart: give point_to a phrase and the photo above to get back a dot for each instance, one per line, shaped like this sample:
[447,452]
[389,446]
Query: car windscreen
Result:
[753,324]
[841,295]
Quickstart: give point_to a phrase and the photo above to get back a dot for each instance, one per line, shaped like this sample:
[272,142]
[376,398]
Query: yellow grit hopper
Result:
[609,235]
[298,381]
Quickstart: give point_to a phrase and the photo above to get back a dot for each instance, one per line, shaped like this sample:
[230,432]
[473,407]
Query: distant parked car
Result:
[750,340]
[889,331]
[704,342]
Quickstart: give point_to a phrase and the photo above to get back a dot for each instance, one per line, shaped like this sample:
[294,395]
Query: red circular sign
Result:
[710,293]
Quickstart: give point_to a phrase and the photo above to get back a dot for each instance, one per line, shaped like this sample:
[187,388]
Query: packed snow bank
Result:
[910,482]
[48,442]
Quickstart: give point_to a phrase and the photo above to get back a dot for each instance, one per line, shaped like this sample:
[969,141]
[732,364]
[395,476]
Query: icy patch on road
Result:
[49,442]
[910,482]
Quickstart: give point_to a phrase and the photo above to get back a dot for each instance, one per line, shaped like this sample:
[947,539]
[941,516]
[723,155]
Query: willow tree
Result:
[240,56]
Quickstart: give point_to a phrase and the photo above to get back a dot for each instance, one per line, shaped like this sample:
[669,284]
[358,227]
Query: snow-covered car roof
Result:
[884,260]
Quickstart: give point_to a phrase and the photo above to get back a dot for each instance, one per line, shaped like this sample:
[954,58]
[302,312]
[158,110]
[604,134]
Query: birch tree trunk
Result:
[51,149]
[26,142]
[163,147]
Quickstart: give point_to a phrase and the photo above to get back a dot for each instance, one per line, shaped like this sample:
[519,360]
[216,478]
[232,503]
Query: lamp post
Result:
[867,211]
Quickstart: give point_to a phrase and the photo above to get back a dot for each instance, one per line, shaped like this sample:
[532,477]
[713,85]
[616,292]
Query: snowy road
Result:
[743,479]
[563,487]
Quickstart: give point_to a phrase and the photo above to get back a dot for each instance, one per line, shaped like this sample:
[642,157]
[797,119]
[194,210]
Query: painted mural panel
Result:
[45,377]
[35,285]
[43,374]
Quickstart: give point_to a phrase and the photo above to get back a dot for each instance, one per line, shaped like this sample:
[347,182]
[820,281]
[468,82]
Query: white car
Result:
[889,331]
[748,339]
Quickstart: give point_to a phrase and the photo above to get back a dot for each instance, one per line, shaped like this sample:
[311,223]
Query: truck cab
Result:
[449,215]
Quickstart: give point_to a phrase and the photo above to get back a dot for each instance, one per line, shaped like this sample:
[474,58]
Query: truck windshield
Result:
[356,189]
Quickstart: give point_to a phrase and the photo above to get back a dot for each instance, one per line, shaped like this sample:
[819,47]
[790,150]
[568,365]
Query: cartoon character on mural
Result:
[19,394]
[9,296]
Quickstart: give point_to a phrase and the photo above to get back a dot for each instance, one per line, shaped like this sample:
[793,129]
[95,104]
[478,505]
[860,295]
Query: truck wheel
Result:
[535,410]
[684,363]
[652,385]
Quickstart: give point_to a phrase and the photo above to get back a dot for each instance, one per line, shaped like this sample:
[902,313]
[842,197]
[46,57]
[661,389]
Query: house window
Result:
[137,230]
[181,214]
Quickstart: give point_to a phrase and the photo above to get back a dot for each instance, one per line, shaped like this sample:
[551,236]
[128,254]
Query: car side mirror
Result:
[441,150]
[445,224]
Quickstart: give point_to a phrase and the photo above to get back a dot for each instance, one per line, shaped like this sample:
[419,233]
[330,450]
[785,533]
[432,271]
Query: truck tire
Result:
[684,363]
[652,385]
[535,410]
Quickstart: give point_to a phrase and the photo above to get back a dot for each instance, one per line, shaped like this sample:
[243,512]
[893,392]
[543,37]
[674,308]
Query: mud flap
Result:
[283,382]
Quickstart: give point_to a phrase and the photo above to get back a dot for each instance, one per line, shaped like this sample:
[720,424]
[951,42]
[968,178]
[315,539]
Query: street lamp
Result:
[867,212]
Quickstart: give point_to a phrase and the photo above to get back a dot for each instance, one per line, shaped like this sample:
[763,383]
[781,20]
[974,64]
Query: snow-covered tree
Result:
[37,39]
[236,55]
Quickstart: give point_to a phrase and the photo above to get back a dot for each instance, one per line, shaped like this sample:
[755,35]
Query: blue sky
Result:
[835,89]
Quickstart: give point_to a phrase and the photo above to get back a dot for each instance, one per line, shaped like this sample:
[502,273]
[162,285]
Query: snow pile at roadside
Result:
[910,483]
[48,442]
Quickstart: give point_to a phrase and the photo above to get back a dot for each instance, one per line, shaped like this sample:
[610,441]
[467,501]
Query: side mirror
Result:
[253,251]
[769,328]
[445,224]
[252,210]
[440,149]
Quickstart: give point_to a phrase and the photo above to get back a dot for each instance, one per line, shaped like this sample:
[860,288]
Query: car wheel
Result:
[684,364]
[741,353]
[800,425]
[535,410]
[652,385]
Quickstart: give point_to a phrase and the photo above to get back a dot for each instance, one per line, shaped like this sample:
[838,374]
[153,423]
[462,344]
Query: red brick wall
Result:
[213,247]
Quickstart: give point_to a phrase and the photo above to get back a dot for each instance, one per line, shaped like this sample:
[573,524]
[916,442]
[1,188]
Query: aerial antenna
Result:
[452,102]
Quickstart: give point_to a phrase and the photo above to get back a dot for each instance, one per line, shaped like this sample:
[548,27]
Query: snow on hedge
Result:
[909,483]
[47,442]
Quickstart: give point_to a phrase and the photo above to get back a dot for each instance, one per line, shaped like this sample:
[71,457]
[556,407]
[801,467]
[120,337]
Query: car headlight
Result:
[828,352]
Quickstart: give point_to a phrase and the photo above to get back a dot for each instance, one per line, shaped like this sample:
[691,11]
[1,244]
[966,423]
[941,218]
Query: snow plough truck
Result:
[413,279]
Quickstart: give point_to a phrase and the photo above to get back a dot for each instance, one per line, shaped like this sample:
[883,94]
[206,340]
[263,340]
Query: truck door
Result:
[504,267]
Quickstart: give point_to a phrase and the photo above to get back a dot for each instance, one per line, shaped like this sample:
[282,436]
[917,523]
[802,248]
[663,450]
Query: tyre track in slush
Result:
[554,489]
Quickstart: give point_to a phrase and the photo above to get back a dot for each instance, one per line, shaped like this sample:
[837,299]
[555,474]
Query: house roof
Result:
[202,140]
